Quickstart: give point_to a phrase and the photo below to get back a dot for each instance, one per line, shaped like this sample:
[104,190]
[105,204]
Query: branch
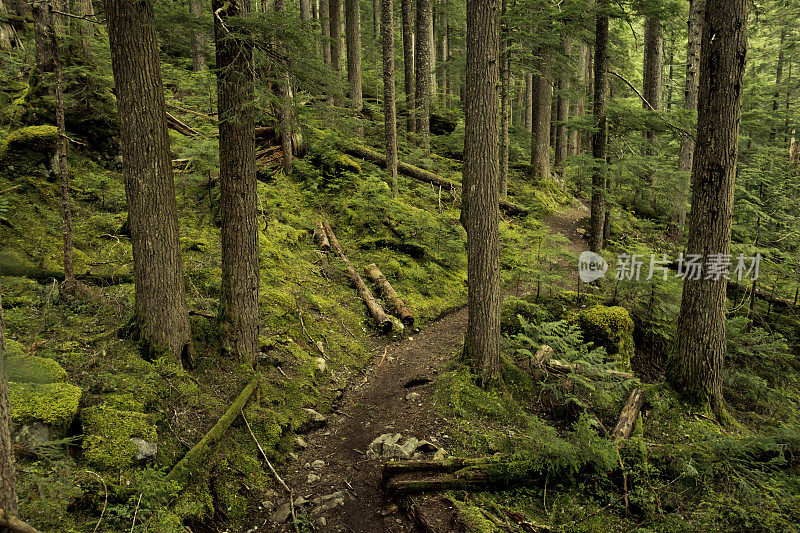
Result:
[80,17]
[667,122]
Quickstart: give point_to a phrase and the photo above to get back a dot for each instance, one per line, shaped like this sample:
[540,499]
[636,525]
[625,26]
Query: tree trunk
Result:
[376,19]
[422,64]
[529,102]
[695,30]
[600,136]
[41,32]
[652,73]
[542,108]
[162,317]
[238,314]
[389,107]
[285,104]
[694,368]
[432,44]
[580,104]
[8,493]
[305,10]
[562,113]
[8,35]
[82,29]
[198,39]
[353,31]
[481,168]
[505,78]
[408,63]
[325,20]
[390,295]
[778,81]
[335,15]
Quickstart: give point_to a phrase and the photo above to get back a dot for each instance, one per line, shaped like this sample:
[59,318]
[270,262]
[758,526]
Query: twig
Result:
[135,512]
[280,480]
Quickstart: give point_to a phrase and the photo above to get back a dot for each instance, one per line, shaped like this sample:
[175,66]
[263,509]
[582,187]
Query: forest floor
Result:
[382,401]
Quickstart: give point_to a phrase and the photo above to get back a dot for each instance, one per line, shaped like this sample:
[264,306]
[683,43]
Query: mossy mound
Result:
[108,432]
[611,328]
[34,369]
[513,309]
[54,404]
[29,146]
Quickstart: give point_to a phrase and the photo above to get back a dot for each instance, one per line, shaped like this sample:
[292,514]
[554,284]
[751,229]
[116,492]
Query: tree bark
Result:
[407,7]
[8,493]
[325,20]
[285,104]
[335,14]
[8,35]
[481,168]
[41,33]
[529,102]
[562,113]
[376,19]
[389,105]
[422,64]
[198,39]
[542,108]
[305,10]
[627,418]
[238,314]
[778,81]
[580,104]
[390,295]
[505,78]
[353,32]
[652,73]
[694,368]
[161,316]
[600,136]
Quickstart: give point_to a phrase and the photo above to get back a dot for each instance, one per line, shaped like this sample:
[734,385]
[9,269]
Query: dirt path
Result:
[377,403]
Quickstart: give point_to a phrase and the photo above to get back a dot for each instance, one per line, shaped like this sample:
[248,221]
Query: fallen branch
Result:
[193,112]
[374,307]
[278,478]
[15,525]
[422,175]
[627,417]
[182,128]
[542,358]
[320,237]
[400,308]
[195,457]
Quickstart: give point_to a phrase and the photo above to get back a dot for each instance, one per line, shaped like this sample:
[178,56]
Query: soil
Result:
[374,404]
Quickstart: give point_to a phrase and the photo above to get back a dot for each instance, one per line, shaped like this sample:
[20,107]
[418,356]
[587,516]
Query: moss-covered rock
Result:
[108,432]
[34,369]
[26,148]
[611,328]
[54,404]
[513,308]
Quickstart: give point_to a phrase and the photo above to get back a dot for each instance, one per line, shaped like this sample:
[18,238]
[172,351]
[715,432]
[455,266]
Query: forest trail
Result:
[376,403]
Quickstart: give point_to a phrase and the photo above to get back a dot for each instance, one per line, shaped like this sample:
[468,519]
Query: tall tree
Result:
[422,64]
[305,10]
[389,108]
[694,368]
[580,104]
[8,35]
[652,70]
[325,21]
[8,493]
[238,314]
[600,136]
[407,22]
[353,33]
[285,103]
[542,110]
[198,43]
[562,110]
[376,18]
[161,314]
[481,168]
[335,20]
[528,102]
[505,78]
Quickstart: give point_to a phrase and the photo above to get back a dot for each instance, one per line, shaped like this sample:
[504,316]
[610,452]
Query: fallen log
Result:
[762,294]
[182,128]
[15,525]
[627,417]
[46,276]
[542,359]
[194,458]
[374,307]
[321,238]
[422,175]
[400,308]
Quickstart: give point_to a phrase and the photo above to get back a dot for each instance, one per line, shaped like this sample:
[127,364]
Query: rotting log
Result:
[400,308]
[542,359]
[543,354]
[320,237]
[15,525]
[181,127]
[374,307]
[627,417]
[45,276]
[195,457]
[423,175]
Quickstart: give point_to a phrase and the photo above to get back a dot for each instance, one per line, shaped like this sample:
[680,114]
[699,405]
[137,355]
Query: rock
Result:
[31,436]
[282,513]
[425,446]
[319,463]
[388,446]
[411,396]
[314,420]
[300,443]
[312,478]
[320,522]
[300,501]
[144,450]
[326,503]
[321,365]
[440,455]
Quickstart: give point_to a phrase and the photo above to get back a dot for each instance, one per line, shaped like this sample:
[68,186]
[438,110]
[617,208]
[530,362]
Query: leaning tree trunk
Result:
[505,78]
[481,187]
[600,136]
[353,31]
[696,10]
[422,64]
[562,113]
[542,109]
[238,314]
[652,73]
[198,38]
[695,366]
[407,7]
[162,316]
[389,108]
[8,493]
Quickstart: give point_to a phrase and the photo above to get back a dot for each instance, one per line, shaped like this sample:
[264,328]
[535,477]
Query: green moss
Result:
[55,404]
[611,328]
[513,309]
[108,432]
[34,369]
[32,138]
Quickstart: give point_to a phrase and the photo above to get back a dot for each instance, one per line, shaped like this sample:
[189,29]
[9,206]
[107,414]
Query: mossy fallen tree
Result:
[627,417]
[42,275]
[391,296]
[423,175]
[15,525]
[193,460]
